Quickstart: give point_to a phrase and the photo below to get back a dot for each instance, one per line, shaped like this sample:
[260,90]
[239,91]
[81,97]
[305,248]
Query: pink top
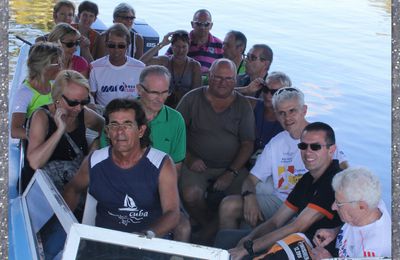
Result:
[80,64]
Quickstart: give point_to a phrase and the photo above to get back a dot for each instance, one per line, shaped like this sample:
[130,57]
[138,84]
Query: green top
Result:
[167,133]
[37,100]
[241,70]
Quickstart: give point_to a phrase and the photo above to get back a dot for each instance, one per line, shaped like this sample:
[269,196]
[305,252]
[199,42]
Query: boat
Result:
[28,212]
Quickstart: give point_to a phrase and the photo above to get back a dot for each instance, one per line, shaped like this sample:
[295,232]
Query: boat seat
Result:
[89,213]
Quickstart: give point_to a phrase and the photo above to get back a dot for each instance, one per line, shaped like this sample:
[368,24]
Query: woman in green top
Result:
[44,63]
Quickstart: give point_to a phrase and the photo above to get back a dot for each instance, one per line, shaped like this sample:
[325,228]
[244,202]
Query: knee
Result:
[182,231]
[192,194]
[231,206]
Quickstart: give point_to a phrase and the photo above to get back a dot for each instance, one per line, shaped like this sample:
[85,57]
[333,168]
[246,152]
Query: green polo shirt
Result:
[167,133]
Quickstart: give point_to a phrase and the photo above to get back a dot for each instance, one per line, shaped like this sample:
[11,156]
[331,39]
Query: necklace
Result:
[179,83]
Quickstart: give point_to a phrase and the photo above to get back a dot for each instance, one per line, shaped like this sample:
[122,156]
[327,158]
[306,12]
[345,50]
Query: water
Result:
[337,52]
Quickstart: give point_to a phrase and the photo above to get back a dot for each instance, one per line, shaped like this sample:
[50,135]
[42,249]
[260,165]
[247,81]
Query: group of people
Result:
[202,144]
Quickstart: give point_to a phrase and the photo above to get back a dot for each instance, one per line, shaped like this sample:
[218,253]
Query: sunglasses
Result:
[71,44]
[252,57]
[115,46]
[201,24]
[131,18]
[315,146]
[287,89]
[74,103]
[265,90]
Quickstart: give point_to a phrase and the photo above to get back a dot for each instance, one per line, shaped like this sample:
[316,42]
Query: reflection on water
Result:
[337,52]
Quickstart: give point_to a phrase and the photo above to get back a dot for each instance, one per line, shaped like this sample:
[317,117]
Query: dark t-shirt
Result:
[318,196]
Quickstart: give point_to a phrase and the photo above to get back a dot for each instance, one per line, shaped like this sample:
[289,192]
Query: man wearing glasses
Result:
[279,163]
[115,75]
[204,47]
[134,184]
[258,61]
[309,202]
[367,228]
[220,136]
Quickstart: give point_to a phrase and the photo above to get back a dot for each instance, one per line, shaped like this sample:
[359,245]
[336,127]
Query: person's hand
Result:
[59,119]
[198,165]
[223,181]
[251,210]
[85,42]
[324,236]
[237,253]
[318,253]
[255,85]
[167,39]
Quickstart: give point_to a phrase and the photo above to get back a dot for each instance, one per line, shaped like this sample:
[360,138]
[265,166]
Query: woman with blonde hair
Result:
[57,132]
[69,39]
[44,62]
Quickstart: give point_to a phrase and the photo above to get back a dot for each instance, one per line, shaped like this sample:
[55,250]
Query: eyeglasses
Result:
[125,126]
[131,18]
[252,57]
[71,44]
[201,24]
[74,103]
[313,146]
[265,89]
[165,93]
[115,46]
[341,204]
[220,79]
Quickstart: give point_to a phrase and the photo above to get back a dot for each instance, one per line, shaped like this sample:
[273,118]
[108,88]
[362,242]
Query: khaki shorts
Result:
[203,179]
[267,201]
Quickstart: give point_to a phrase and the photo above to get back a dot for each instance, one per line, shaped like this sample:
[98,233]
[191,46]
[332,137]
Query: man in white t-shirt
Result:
[367,228]
[277,169]
[115,75]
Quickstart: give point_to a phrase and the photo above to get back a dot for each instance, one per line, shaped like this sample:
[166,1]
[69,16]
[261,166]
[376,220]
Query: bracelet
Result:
[235,172]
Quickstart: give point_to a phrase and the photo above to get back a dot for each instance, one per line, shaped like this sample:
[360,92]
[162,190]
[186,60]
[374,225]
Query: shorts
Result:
[267,201]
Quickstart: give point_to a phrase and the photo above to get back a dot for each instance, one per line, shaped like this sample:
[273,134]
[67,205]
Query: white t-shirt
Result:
[372,240]
[110,82]
[281,159]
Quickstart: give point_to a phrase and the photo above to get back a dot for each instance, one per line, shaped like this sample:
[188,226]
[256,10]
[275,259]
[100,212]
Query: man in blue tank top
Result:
[135,185]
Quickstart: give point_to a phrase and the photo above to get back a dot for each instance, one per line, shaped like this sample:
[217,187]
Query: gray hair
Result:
[42,54]
[121,9]
[358,184]
[285,94]
[222,61]
[154,70]
[282,78]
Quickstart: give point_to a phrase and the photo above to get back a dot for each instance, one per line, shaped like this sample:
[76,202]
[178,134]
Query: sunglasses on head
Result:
[265,89]
[289,89]
[71,44]
[314,146]
[74,103]
[115,46]
[201,24]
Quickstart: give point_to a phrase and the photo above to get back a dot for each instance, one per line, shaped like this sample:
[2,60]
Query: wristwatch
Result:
[235,172]
[150,234]
[247,192]
[248,245]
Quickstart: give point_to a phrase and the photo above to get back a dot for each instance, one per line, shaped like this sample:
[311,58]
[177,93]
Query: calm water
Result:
[337,52]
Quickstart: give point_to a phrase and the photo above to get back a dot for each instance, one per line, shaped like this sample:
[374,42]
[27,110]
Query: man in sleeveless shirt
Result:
[135,185]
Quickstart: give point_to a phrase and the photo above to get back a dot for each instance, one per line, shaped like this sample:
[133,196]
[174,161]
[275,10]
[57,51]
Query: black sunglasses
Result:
[71,44]
[314,146]
[201,24]
[114,46]
[74,103]
[127,17]
[265,89]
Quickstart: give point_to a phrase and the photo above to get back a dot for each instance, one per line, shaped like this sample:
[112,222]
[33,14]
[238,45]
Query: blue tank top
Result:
[127,199]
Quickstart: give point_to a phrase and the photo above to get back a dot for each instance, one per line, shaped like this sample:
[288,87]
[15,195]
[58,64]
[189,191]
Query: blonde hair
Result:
[66,77]
[60,30]
[41,54]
